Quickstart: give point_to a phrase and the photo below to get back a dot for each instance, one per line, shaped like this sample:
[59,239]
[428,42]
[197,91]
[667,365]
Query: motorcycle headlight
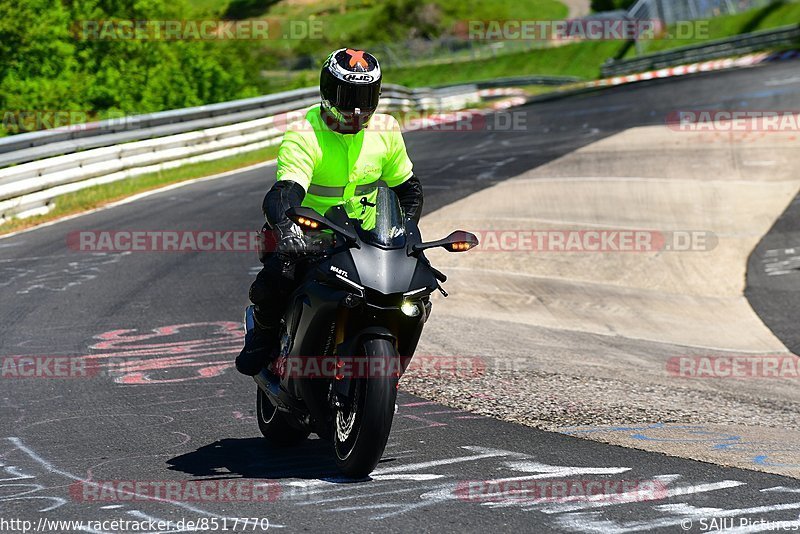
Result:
[410,308]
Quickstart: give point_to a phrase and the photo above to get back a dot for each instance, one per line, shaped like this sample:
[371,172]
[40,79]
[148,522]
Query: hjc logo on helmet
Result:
[358,78]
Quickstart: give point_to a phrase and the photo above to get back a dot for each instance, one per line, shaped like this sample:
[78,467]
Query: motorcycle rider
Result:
[339,148]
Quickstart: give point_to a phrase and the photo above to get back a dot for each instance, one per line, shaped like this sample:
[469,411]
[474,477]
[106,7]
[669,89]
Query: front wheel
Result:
[361,431]
[274,424]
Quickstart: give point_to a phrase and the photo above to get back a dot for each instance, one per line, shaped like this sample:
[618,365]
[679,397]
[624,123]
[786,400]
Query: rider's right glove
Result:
[291,241]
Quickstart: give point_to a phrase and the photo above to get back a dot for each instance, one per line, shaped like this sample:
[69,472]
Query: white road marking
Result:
[482,454]
[783,81]
[783,489]
[55,470]
[631,496]
[548,471]
[24,491]
[594,522]
[371,494]
[667,479]
[416,477]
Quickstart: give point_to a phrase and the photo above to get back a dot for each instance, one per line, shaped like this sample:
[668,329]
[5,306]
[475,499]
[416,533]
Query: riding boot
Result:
[260,343]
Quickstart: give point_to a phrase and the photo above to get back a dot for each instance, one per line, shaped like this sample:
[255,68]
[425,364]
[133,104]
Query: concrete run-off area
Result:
[605,343]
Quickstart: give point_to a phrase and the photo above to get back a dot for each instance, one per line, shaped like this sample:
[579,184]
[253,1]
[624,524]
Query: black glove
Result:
[283,195]
[291,241]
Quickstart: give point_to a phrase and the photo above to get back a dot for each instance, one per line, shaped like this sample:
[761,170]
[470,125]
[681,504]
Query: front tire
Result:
[361,432]
[274,424]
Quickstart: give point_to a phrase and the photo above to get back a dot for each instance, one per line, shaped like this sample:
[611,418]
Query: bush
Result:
[243,9]
[49,60]
[611,5]
[407,19]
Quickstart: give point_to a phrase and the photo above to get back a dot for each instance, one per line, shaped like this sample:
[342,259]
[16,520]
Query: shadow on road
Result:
[257,458]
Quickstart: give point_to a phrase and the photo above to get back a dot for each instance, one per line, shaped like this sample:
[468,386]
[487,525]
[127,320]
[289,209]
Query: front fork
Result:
[341,390]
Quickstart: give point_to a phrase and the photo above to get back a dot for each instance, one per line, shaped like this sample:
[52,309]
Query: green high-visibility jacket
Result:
[334,167]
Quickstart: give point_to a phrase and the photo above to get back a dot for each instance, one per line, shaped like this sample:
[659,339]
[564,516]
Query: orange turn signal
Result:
[462,245]
[307,222]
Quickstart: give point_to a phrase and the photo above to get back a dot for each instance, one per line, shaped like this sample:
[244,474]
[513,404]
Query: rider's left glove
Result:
[291,241]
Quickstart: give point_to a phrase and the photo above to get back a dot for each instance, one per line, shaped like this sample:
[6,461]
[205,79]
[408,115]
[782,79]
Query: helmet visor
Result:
[348,97]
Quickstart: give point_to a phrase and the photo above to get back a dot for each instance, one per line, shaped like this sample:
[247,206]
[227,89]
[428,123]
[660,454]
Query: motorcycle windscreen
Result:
[381,218]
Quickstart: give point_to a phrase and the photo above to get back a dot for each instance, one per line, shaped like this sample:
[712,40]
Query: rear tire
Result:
[274,424]
[360,434]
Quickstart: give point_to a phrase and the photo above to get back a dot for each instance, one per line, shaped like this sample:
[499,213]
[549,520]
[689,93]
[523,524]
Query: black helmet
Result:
[350,86]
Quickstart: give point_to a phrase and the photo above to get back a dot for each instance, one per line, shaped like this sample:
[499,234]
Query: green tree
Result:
[50,60]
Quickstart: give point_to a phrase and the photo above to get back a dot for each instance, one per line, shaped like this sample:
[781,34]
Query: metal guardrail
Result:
[40,166]
[135,122]
[739,44]
[36,145]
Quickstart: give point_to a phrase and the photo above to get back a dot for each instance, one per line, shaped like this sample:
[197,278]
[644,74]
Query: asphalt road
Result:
[773,277]
[179,412]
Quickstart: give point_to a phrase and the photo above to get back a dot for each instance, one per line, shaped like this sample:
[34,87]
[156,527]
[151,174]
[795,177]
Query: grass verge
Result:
[99,195]
[581,59]
[585,59]
[369,23]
